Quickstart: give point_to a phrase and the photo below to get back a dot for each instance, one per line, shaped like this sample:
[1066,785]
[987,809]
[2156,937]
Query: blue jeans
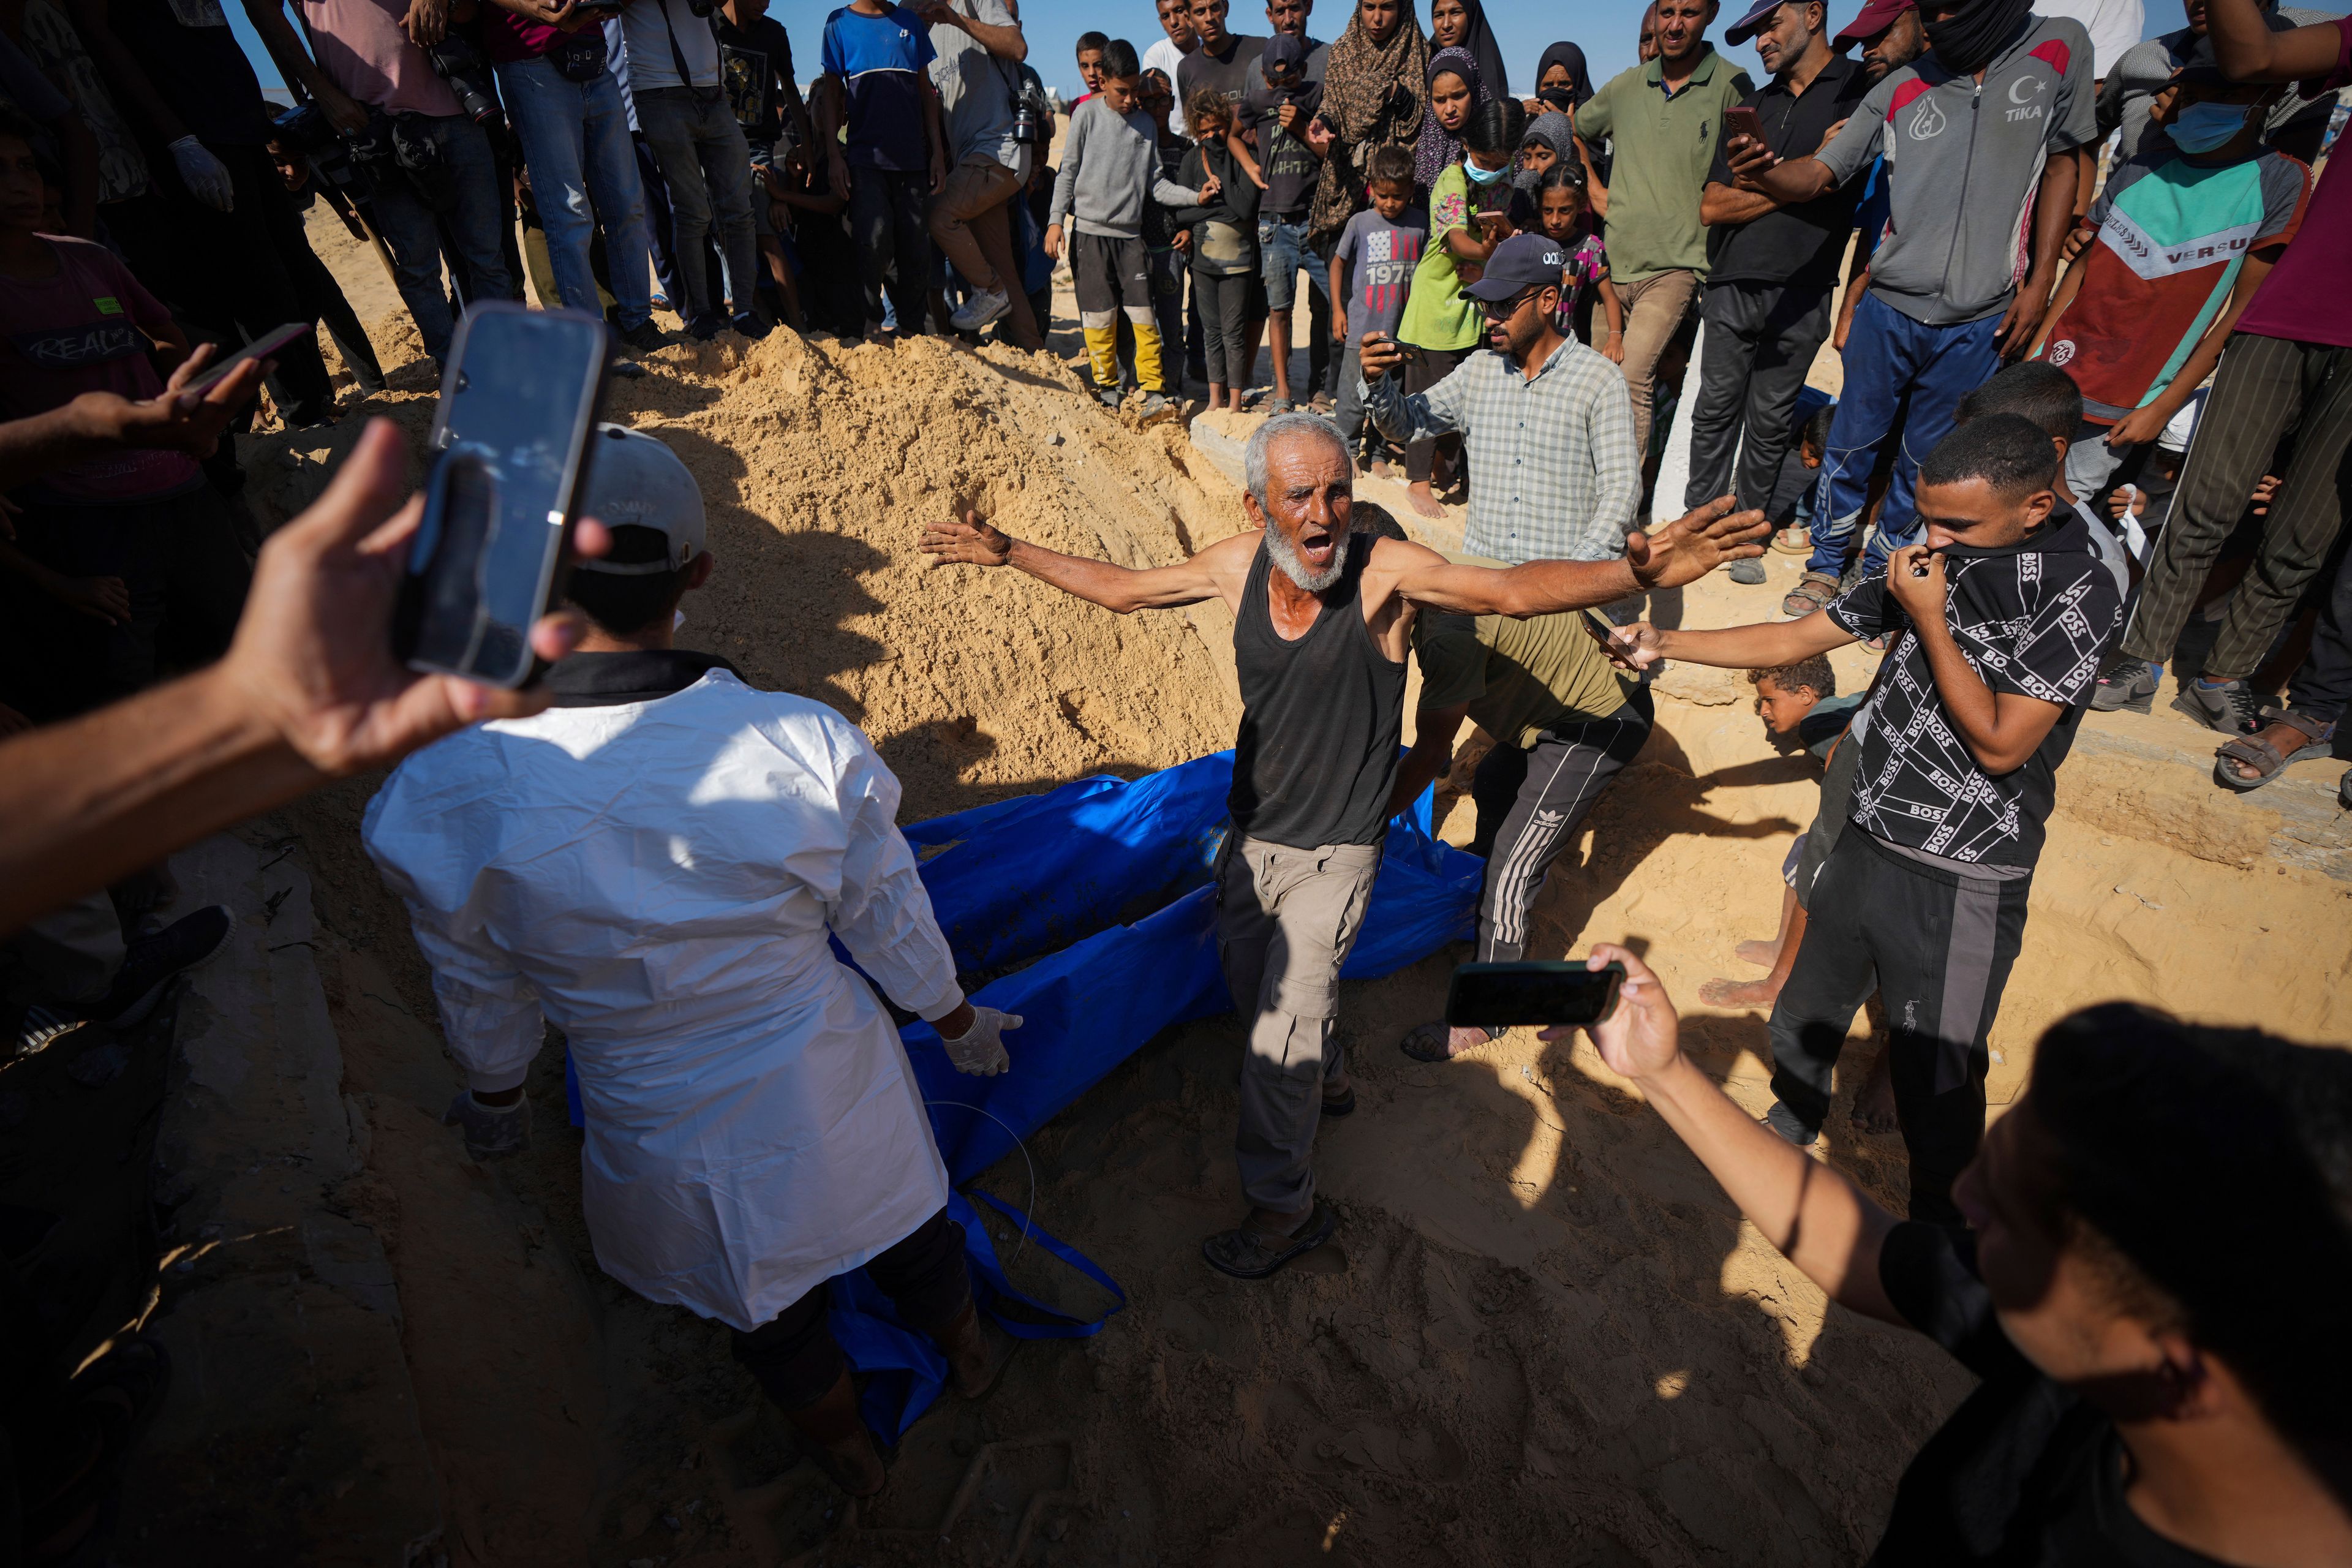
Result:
[584,172]
[412,229]
[1282,250]
[706,166]
[1887,356]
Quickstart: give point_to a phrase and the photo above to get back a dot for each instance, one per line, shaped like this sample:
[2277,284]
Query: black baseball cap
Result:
[1522,261]
[1747,25]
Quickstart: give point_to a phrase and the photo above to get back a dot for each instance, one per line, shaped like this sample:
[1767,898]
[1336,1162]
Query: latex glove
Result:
[205,176]
[982,1052]
[492,1131]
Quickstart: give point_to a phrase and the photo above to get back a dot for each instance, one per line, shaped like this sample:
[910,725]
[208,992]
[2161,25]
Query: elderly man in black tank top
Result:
[1323,612]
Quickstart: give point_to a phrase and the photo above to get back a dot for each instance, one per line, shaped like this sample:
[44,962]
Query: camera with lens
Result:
[456,61]
[332,156]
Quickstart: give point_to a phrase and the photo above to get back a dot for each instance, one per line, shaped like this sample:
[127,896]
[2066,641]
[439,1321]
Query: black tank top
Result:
[1321,719]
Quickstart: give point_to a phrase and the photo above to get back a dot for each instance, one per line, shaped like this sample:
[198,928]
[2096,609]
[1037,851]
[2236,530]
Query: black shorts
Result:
[1111,273]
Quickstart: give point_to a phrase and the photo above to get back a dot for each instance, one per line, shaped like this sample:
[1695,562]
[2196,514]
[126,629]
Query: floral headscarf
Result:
[1376,94]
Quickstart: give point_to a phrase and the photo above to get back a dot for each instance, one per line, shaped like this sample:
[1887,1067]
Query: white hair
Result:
[1298,423]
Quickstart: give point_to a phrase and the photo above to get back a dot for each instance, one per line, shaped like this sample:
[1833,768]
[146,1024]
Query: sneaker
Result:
[2126,682]
[2229,706]
[645,337]
[43,1024]
[983,308]
[1750,572]
[702,329]
[753,325]
[1108,396]
[1790,1126]
[1157,405]
[627,369]
[151,963]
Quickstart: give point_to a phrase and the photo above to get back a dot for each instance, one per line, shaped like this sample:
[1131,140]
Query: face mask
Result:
[2202,127]
[1966,41]
[1479,177]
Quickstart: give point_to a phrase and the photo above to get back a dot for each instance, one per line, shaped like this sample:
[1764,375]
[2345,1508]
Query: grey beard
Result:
[1285,556]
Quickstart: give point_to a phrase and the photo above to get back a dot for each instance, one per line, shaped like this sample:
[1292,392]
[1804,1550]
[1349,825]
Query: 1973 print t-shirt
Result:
[2032,618]
[1379,258]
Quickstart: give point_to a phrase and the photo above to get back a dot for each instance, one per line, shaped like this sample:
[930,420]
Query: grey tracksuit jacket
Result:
[1964,161]
[1110,165]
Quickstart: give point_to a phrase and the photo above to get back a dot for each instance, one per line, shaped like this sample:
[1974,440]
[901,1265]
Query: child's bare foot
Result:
[1765,953]
[1873,1107]
[1381,469]
[1422,502]
[1740,992]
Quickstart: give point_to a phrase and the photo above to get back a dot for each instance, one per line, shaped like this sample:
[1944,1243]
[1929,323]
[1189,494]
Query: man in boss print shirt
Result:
[2004,613]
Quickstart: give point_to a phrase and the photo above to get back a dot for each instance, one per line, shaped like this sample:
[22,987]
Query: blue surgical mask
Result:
[1479,177]
[2202,127]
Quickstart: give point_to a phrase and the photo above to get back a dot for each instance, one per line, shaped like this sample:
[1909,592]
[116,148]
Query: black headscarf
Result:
[1965,42]
[1565,54]
[1484,48]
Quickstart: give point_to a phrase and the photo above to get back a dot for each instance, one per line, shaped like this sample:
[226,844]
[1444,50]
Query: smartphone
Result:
[1743,123]
[509,441]
[1545,991]
[262,347]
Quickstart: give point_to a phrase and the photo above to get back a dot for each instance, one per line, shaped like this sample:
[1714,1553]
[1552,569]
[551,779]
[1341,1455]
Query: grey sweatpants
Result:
[1286,920]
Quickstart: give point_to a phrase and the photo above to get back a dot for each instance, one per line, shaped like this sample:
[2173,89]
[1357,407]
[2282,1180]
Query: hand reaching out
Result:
[1695,544]
[969,542]
[1633,649]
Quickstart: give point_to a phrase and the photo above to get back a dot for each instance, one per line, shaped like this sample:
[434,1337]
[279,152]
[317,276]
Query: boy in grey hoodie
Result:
[1970,131]
[1110,169]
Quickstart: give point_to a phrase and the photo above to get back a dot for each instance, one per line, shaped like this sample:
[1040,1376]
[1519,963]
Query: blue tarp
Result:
[1102,888]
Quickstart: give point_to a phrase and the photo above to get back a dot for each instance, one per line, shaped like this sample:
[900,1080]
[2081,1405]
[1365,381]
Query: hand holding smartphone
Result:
[1743,122]
[511,440]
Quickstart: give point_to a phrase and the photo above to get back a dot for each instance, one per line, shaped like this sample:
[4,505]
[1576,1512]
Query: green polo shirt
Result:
[1664,146]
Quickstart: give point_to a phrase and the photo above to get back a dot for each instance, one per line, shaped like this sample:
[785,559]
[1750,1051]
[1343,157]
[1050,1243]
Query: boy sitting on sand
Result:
[2009,615]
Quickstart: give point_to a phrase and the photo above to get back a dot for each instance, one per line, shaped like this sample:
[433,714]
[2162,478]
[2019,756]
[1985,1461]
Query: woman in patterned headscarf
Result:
[1437,146]
[1375,91]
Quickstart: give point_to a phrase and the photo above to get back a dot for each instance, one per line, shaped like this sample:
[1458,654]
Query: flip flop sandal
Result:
[1429,1042]
[1793,541]
[1813,591]
[1345,1105]
[2267,761]
[1247,1254]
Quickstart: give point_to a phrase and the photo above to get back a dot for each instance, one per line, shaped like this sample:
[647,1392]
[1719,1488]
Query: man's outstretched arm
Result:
[1681,552]
[974,542]
[1764,646]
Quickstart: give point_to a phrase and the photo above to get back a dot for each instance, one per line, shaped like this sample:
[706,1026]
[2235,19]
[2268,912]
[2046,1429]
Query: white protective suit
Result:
[658,879]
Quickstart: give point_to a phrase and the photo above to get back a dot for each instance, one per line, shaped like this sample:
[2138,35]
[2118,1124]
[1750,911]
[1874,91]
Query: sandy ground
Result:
[1542,1333]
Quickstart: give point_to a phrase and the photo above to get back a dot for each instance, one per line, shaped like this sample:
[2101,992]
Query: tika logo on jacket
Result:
[2138,249]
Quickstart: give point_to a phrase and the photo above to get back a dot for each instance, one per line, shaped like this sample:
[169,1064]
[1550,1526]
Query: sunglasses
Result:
[1504,309]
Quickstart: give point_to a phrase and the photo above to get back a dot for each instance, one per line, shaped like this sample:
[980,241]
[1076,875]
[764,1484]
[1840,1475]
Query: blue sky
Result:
[1605,28]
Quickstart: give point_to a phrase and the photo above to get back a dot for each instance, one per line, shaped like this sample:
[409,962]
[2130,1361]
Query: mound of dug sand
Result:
[1543,1334]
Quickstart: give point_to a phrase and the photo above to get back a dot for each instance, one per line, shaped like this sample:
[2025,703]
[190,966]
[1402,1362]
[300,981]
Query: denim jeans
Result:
[583,174]
[412,230]
[1282,250]
[702,153]
[1893,366]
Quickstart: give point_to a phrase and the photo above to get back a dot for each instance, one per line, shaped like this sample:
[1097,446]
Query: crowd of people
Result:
[2083,403]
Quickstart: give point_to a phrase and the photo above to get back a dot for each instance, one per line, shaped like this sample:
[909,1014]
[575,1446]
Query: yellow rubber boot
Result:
[1147,356]
[1102,353]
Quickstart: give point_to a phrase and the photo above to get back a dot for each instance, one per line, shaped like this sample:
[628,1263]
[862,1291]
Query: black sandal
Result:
[1432,1043]
[2267,761]
[1247,1254]
[1341,1104]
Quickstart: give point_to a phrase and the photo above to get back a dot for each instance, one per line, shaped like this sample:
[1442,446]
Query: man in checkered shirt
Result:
[2006,613]
[1546,422]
